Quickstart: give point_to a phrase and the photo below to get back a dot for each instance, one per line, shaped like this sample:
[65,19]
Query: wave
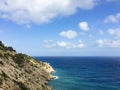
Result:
[56,77]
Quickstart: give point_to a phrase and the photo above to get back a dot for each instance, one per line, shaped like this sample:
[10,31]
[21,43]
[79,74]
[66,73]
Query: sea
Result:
[84,73]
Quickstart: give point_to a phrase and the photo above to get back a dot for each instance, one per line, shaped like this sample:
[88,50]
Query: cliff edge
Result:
[22,72]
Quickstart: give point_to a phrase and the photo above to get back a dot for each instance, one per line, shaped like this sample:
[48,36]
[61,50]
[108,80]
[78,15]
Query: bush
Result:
[1,63]
[1,81]
[4,48]
[1,44]
[1,55]
[4,75]
[10,49]
[23,86]
[19,59]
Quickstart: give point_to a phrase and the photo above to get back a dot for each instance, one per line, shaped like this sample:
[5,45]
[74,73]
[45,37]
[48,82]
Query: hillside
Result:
[22,72]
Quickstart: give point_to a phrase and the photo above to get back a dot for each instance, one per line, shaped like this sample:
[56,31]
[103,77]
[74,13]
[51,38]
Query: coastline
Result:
[21,72]
[54,77]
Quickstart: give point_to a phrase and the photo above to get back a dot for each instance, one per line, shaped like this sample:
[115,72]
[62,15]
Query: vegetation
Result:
[18,58]
[1,55]
[22,85]
[1,44]
[4,48]
[1,63]
[4,75]
[21,72]
[10,49]
[1,81]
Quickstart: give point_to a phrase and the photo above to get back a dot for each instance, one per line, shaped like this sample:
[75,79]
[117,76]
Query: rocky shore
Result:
[22,72]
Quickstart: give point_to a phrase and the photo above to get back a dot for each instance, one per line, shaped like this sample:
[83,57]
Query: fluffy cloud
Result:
[108,43]
[80,44]
[113,18]
[114,32]
[84,26]
[40,11]
[63,44]
[49,44]
[70,34]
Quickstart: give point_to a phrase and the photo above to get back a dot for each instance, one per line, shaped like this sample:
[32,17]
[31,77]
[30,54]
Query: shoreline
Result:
[54,77]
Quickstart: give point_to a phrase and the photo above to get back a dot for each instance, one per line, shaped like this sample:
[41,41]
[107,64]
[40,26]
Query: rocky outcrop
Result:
[21,72]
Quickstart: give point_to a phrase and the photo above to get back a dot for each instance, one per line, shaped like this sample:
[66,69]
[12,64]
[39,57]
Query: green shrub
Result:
[1,44]
[23,86]
[4,75]
[19,59]
[1,63]
[16,76]
[1,55]
[1,81]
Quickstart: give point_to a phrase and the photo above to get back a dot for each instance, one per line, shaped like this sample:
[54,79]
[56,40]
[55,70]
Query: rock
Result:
[22,72]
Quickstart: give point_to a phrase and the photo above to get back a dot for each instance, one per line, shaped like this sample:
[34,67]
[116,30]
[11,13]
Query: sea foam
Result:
[56,77]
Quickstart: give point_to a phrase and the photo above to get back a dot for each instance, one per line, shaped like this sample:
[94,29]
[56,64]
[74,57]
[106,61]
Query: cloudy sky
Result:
[61,27]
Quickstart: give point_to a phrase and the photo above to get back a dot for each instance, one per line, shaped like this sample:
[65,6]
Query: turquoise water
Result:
[85,73]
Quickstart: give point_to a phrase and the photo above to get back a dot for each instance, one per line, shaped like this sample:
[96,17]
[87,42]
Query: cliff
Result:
[22,72]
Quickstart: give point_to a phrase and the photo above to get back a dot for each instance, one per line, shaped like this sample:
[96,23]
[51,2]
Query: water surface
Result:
[85,73]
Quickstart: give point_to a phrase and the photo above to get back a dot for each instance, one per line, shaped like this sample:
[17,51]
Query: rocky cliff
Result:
[22,72]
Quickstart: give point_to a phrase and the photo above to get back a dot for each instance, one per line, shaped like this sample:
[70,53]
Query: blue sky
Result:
[61,27]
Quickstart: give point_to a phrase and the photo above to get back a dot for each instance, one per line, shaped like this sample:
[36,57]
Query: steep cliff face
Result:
[21,72]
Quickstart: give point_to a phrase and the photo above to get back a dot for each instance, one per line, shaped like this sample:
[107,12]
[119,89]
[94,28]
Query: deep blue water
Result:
[85,73]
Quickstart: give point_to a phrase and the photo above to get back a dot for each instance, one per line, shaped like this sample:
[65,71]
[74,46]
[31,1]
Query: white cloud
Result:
[84,26]
[113,18]
[49,44]
[70,34]
[80,44]
[115,32]
[63,44]
[111,31]
[40,11]
[108,43]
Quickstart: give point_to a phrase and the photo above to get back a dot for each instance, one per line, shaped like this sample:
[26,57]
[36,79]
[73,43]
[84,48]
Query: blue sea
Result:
[85,73]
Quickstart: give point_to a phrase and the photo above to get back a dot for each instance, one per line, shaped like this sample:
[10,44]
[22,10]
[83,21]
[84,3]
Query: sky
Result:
[61,27]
